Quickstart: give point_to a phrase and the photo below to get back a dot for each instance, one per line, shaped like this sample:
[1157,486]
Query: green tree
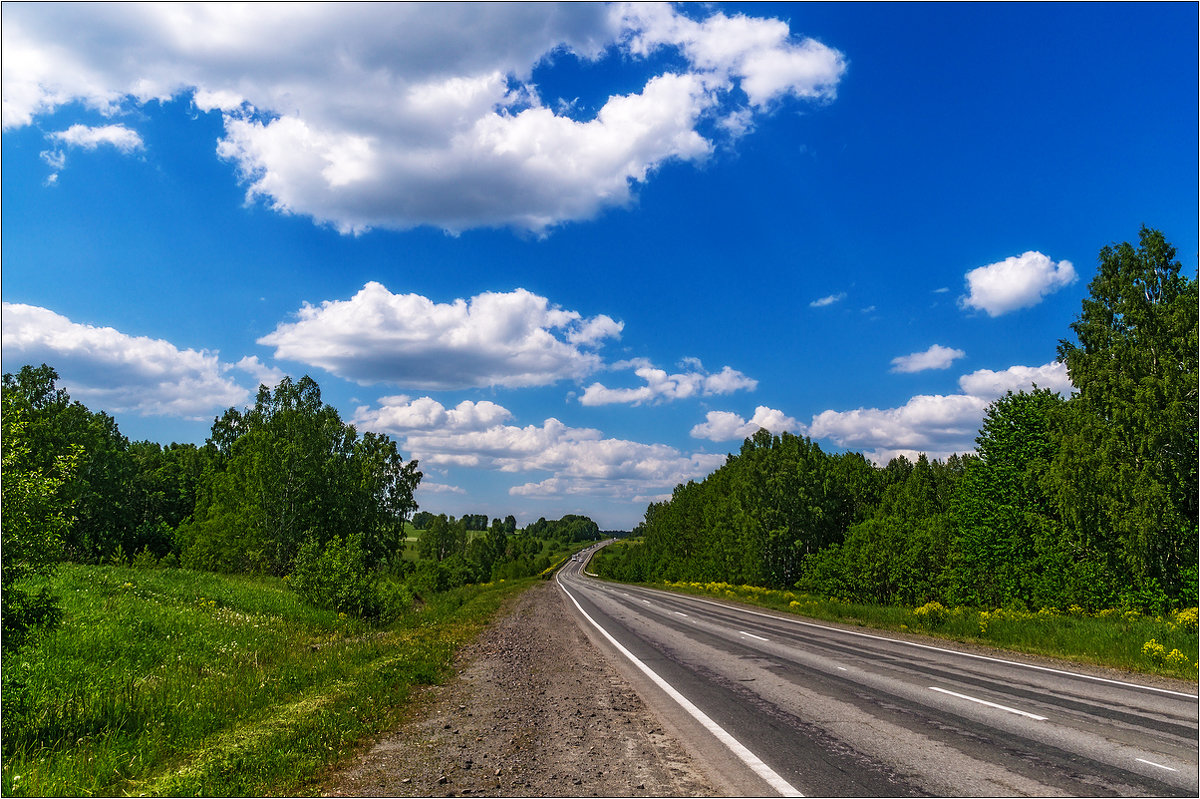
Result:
[100,486]
[288,470]
[1007,545]
[1125,476]
[36,514]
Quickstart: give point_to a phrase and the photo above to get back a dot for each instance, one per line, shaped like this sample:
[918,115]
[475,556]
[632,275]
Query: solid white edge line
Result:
[943,649]
[1033,716]
[1156,765]
[745,755]
[752,635]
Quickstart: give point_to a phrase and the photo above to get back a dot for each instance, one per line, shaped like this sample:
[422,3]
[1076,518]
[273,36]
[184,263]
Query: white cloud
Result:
[830,300]
[938,425]
[989,384]
[400,115]
[726,426]
[264,375]
[1016,282]
[115,372]
[400,415]
[494,339]
[427,487]
[580,460]
[663,387]
[759,52]
[928,423]
[936,357]
[89,138]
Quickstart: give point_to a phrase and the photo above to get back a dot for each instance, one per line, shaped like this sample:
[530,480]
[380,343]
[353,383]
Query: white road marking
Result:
[752,635]
[943,649]
[745,755]
[842,668]
[647,601]
[1156,765]
[677,613]
[1033,716]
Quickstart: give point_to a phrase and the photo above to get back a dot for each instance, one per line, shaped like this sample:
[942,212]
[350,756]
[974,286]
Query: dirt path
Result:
[535,711]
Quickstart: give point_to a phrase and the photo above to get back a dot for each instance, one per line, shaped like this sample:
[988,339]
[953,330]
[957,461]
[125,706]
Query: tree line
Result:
[1089,500]
[284,487]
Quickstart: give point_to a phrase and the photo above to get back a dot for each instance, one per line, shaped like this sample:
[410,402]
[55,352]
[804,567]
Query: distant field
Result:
[172,682]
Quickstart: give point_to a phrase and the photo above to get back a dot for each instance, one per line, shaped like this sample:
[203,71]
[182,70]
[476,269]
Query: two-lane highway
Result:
[801,708]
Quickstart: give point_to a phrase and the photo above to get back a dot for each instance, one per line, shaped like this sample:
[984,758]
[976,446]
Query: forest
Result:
[282,488]
[1087,501]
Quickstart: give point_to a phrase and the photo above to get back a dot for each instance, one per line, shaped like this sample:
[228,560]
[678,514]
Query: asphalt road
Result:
[777,705]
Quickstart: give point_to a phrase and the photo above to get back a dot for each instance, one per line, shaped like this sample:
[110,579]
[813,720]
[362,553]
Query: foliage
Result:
[1125,476]
[336,577]
[36,514]
[289,470]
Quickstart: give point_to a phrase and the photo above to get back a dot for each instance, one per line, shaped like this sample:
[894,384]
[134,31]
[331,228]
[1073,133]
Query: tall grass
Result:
[1118,639]
[181,683]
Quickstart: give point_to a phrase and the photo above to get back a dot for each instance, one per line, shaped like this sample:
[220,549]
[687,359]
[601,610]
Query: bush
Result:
[336,577]
[932,614]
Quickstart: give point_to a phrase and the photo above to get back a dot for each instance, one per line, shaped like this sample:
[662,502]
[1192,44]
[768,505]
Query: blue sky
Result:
[570,256]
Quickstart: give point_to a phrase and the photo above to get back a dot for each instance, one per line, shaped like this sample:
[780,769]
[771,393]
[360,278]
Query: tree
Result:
[36,514]
[100,486]
[287,470]
[1007,545]
[442,538]
[1126,473]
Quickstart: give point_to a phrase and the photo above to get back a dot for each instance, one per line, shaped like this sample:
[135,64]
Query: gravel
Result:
[535,710]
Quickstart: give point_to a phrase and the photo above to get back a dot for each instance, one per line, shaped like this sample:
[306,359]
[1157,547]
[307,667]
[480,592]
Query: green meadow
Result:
[175,682]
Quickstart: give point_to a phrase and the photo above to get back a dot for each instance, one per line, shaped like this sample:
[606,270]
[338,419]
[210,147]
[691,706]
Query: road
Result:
[778,705]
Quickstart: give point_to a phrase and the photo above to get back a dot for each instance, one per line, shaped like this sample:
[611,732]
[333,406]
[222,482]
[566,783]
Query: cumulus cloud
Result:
[400,115]
[580,460]
[927,423]
[936,357]
[1016,282]
[494,339]
[400,415]
[110,370]
[726,426]
[989,384]
[830,300]
[663,387]
[120,137]
[938,425]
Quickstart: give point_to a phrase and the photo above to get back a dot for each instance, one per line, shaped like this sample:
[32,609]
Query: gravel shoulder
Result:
[535,710]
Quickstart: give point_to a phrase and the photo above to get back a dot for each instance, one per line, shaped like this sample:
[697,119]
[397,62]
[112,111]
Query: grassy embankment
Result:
[176,682]
[1126,640]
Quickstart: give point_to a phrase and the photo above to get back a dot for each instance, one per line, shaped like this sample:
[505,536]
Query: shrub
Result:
[1155,652]
[1186,619]
[932,614]
[1177,659]
[336,577]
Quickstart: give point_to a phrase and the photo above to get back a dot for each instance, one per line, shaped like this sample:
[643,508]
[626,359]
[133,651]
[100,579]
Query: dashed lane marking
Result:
[1033,716]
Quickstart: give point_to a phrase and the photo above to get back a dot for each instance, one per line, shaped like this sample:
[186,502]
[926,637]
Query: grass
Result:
[1165,646]
[172,682]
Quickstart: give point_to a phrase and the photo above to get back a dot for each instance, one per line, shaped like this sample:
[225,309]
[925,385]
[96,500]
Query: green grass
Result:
[1110,638]
[182,683]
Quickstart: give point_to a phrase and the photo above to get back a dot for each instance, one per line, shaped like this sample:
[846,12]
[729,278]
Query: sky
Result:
[571,256]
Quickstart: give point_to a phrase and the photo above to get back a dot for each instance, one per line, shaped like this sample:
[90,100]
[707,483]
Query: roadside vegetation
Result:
[178,682]
[230,618]
[1164,645]
[1074,514]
